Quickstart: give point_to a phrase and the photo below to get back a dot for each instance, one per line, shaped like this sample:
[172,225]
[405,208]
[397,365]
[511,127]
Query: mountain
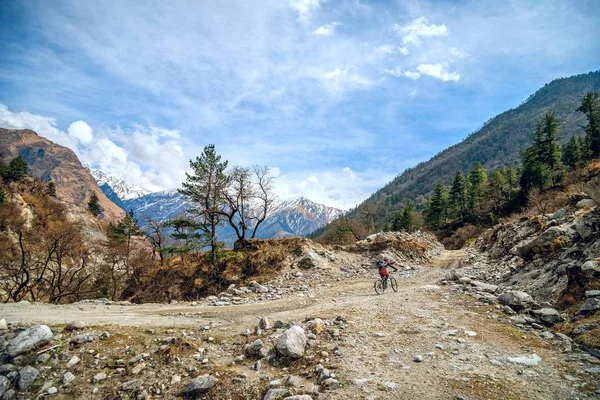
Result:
[297,217]
[499,142]
[123,189]
[49,161]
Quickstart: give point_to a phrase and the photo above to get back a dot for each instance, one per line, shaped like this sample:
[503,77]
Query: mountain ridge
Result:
[499,142]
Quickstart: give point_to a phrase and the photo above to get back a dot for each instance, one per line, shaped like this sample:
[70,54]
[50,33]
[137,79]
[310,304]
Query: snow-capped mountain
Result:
[123,189]
[297,217]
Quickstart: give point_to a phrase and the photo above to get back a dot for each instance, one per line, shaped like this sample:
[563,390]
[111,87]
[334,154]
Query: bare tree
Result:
[154,234]
[249,198]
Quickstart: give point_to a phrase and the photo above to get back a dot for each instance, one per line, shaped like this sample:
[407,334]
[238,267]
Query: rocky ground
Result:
[437,338]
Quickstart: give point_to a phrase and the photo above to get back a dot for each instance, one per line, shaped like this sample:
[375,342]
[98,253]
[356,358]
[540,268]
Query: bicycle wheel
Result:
[394,283]
[379,289]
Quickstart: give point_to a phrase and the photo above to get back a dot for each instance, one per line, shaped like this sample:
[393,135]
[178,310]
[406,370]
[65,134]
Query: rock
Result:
[529,361]
[138,368]
[450,332]
[559,213]
[486,287]
[592,293]
[592,304]
[68,378]
[73,361]
[99,377]
[331,384]
[390,386]
[592,188]
[547,316]
[418,358]
[293,381]
[292,342]
[4,385]
[431,288]
[81,339]
[131,385]
[264,323]
[52,390]
[543,242]
[465,280]
[585,203]
[516,299]
[75,325]
[42,358]
[7,368]
[471,333]
[316,326]
[590,270]
[509,310]
[28,340]
[3,324]
[310,260]
[254,348]
[27,375]
[361,381]
[584,230]
[299,397]
[199,385]
[276,394]
[452,275]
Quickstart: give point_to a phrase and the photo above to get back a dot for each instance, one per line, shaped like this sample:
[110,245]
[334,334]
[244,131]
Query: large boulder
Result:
[516,299]
[292,342]
[590,270]
[28,340]
[547,316]
[591,305]
[199,385]
[27,375]
[543,242]
[310,260]
[592,188]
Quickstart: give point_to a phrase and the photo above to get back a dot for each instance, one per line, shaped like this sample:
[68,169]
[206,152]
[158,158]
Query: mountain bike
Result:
[381,285]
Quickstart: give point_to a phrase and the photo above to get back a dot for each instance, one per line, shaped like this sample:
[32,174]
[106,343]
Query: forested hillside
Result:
[500,142]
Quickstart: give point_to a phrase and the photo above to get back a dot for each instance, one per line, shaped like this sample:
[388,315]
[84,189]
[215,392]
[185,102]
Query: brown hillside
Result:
[49,161]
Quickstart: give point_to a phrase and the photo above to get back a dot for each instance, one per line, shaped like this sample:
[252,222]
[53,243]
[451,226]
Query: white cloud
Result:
[81,131]
[347,77]
[326,30]
[403,50]
[413,32]
[438,71]
[305,8]
[385,49]
[399,72]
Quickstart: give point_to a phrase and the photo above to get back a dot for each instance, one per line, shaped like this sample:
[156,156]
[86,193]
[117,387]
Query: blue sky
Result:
[338,96]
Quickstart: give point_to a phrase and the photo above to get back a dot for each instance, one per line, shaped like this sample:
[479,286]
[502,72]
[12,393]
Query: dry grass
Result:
[558,243]
[483,387]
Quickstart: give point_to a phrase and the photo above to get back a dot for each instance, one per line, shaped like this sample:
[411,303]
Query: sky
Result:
[336,96]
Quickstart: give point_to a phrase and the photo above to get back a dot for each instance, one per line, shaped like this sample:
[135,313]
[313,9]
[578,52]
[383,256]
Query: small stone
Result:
[509,310]
[292,342]
[450,332]
[73,361]
[331,384]
[471,333]
[99,377]
[68,378]
[75,325]
[52,390]
[199,385]
[276,394]
[418,358]
[264,323]
[138,368]
[3,324]
[529,361]
[131,385]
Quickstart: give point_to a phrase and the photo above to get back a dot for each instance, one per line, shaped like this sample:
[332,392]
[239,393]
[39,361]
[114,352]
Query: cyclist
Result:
[383,272]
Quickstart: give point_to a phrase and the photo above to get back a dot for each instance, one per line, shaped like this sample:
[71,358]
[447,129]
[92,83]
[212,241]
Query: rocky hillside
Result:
[48,161]
[500,142]
[543,268]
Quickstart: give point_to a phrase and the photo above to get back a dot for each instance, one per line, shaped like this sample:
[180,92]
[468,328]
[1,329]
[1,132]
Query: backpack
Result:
[379,264]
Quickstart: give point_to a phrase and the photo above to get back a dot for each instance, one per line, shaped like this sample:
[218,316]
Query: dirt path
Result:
[385,333]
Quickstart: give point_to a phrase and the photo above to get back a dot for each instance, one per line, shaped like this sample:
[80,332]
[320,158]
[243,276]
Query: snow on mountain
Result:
[297,217]
[123,189]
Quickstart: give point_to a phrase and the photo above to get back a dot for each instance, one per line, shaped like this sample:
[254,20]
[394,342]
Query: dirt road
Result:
[462,344]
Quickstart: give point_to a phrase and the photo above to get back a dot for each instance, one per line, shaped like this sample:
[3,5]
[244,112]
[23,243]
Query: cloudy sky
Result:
[338,96]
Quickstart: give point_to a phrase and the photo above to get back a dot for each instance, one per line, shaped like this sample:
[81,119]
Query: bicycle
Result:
[381,285]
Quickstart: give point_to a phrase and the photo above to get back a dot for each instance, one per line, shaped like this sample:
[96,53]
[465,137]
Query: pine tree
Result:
[476,191]
[94,205]
[590,106]
[16,169]
[437,208]
[550,149]
[205,187]
[573,153]
[51,189]
[458,197]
